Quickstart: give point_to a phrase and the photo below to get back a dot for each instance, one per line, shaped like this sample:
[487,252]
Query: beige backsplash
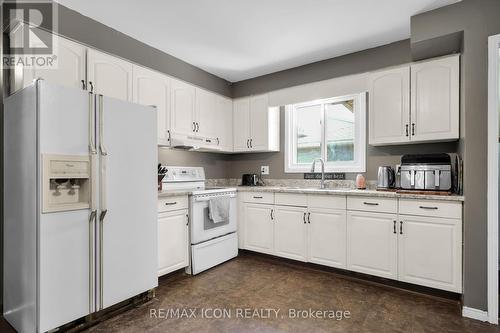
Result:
[302,183]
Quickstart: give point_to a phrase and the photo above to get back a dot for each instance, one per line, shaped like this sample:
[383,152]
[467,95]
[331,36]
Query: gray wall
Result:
[375,157]
[216,165]
[478,19]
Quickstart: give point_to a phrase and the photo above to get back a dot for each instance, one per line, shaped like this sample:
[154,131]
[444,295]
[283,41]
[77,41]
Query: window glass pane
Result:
[339,118]
[308,133]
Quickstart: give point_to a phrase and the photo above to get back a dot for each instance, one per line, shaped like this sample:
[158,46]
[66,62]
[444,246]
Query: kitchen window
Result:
[333,129]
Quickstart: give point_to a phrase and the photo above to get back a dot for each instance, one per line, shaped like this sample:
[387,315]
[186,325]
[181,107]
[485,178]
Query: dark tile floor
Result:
[253,282]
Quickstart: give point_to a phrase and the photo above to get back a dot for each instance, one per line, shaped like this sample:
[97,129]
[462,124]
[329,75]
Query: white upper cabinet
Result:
[182,108]
[70,70]
[206,116]
[224,115]
[256,125]
[389,106]
[435,100]
[415,103]
[241,128]
[153,88]
[109,76]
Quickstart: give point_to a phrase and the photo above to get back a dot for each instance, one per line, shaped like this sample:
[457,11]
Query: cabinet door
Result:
[389,106]
[258,228]
[241,128]
[182,108]
[327,237]
[290,232]
[435,100]
[372,243]
[206,114]
[172,241]
[70,70]
[225,120]
[430,252]
[110,76]
[259,122]
[153,88]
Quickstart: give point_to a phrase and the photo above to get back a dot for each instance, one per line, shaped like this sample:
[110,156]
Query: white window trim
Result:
[359,164]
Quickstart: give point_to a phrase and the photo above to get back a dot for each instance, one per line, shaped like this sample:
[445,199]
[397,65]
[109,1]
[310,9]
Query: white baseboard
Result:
[474,314]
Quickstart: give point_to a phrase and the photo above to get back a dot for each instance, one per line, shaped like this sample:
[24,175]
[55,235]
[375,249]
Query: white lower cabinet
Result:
[173,241]
[372,243]
[290,232]
[327,237]
[430,252]
[410,240]
[258,228]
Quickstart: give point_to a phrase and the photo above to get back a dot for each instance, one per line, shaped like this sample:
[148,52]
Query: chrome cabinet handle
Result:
[91,86]
[194,126]
[400,227]
[187,219]
[83,84]
[394,227]
[171,203]
[169,136]
[218,142]
[309,217]
[251,146]
[304,218]
[428,207]
[407,133]
[272,214]
[413,129]
[370,203]
[248,143]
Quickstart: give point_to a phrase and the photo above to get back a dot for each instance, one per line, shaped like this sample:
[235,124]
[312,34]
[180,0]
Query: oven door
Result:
[202,227]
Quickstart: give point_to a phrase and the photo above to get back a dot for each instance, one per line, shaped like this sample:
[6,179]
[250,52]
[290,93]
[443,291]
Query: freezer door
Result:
[128,200]
[66,246]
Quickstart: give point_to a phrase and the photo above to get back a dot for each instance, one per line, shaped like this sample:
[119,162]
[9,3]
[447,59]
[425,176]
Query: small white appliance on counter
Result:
[212,217]
[80,222]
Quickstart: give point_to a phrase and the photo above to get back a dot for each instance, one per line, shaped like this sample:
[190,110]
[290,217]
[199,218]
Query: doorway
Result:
[493,172]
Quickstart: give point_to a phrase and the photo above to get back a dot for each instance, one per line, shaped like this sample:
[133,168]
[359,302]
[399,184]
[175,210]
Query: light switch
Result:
[264,170]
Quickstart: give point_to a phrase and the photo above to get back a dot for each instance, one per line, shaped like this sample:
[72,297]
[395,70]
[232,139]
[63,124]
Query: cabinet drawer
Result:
[449,209]
[373,204]
[290,199]
[259,197]
[172,203]
[326,201]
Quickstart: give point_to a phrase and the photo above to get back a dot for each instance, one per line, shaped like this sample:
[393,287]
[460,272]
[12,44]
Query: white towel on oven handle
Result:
[218,209]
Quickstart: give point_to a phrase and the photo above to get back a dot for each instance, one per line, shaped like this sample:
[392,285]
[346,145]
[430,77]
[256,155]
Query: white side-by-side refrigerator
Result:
[80,193]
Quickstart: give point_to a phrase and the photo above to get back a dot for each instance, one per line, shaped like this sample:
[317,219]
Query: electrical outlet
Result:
[264,170]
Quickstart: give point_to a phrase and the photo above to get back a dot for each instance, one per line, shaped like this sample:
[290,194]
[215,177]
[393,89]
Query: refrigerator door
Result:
[128,200]
[66,239]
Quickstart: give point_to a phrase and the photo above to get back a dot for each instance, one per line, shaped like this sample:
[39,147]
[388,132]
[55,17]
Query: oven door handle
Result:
[201,199]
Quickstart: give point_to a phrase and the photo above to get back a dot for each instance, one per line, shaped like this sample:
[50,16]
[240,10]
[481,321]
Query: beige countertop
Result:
[350,192]
[337,191]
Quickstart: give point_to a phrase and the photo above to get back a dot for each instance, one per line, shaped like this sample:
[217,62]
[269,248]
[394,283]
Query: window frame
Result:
[356,166]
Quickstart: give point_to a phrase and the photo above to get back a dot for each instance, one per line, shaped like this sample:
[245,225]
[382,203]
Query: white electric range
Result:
[211,243]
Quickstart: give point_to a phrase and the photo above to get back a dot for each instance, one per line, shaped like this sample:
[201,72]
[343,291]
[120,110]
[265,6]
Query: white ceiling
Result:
[241,39]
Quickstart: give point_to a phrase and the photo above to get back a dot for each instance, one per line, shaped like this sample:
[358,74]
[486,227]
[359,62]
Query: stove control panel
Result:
[184,174]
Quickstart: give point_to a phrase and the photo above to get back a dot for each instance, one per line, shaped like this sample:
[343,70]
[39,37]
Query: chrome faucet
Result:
[322,184]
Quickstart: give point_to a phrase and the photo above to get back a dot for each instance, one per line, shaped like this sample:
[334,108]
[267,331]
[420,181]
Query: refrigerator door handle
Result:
[92,218]
[101,256]
[101,127]
[92,146]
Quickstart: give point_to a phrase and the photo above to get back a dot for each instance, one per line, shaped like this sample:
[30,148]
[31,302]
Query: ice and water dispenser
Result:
[66,182]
